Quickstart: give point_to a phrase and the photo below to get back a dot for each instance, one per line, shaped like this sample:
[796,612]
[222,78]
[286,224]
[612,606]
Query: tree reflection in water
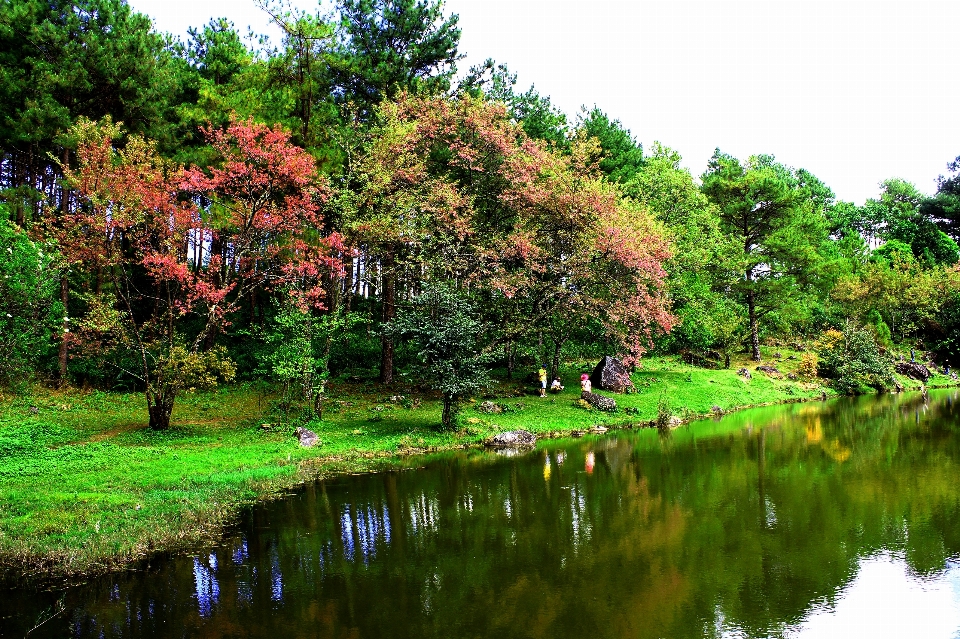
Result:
[755,525]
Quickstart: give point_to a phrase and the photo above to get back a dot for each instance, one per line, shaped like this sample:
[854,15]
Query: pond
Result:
[806,520]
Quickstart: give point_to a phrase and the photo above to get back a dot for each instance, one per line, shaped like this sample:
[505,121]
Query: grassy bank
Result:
[86,487]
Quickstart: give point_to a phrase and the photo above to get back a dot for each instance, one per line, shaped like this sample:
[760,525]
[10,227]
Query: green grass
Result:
[86,487]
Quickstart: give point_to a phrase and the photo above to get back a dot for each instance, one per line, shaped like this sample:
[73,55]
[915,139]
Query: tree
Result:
[535,113]
[904,214]
[60,60]
[391,46]
[30,310]
[622,154]
[778,228]
[700,267]
[444,328]
[944,208]
[177,273]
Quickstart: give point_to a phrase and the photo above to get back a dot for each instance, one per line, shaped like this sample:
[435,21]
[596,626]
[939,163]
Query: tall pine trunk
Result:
[754,327]
[388,276]
[64,335]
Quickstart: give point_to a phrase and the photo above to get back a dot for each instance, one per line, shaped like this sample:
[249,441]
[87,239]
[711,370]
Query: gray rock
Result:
[611,375]
[599,401]
[770,370]
[744,373]
[489,407]
[512,439]
[913,369]
[307,438]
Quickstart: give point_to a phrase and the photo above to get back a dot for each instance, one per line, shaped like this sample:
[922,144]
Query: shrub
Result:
[853,361]
[807,369]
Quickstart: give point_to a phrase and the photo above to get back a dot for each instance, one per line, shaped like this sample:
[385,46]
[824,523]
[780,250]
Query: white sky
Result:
[854,91]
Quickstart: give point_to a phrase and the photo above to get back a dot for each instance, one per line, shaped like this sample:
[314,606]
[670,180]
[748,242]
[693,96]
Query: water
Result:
[810,520]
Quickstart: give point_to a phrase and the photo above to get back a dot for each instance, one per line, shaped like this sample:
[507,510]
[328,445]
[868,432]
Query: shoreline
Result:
[173,519]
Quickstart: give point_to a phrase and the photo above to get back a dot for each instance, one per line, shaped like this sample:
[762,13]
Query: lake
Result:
[831,519]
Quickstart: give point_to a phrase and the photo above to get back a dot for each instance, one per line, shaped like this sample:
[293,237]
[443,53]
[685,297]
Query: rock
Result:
[744,373]
[778,355]
[611,375]
[489,407]
[599,401]
[674,421]
[598,430]
[770,370]
[512,439]
[792,377]
[913,369]
[576,433]
[716,410]
[307,438]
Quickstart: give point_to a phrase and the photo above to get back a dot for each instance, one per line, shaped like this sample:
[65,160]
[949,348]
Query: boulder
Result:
[512,439]
[744,373]
[489,407]
[770,370]
[611,375]
[913,369]
[307,438]
[599,401]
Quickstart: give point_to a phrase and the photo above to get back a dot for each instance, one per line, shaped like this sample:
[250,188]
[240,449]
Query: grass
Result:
[86,487]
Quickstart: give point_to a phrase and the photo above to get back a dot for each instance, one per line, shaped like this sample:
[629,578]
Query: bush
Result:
[808,366]
[853,361]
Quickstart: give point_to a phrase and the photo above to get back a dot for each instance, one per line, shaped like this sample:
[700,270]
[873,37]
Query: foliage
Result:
[807,368]
[444,328]
[775,217]
[622,154]
[297,352]
[259,231]
[391,46]
[852,359]
[30,312]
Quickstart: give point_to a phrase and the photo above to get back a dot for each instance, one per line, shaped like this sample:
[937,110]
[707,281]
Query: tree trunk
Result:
[160,407]
[449,412]
[64,298]
[510,351]
[754,328]
[555,366]
[389,312]
[752,310]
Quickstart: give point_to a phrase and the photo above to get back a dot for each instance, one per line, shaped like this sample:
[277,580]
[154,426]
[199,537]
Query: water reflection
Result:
[789,521]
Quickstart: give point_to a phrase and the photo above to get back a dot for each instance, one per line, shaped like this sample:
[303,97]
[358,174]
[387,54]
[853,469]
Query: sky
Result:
[855,91]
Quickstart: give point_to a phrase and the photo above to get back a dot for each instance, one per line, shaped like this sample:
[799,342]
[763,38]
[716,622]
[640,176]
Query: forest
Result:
[349,202]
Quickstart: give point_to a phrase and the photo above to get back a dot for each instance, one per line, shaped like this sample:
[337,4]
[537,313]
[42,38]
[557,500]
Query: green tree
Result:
[390,46]
[622,154]
[444,328]
[60,60]
[535,113]
[778,227]
[700,269]
[29,309]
